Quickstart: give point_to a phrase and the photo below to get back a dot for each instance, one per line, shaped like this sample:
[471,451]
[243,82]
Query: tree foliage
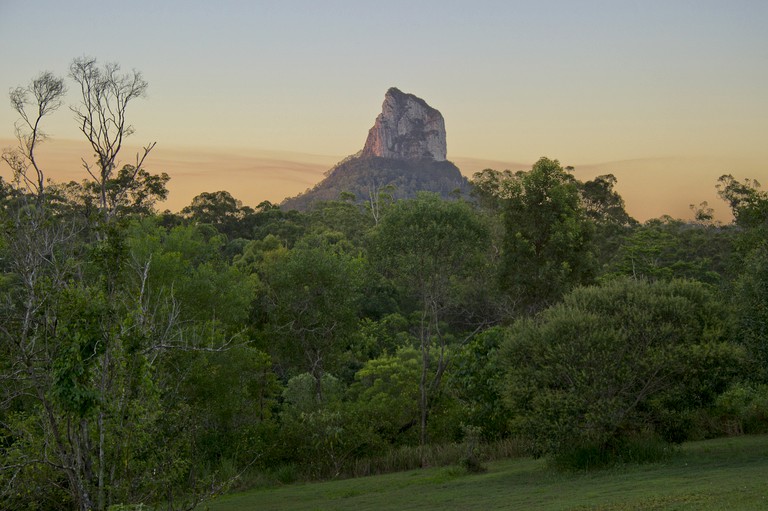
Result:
[665,248]
[748,203]
[155,359]
[312,295]
[751,303]
[617,360]
[430,248]
[548,240]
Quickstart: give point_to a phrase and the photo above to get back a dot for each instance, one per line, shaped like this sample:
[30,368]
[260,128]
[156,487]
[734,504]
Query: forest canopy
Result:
[162,358]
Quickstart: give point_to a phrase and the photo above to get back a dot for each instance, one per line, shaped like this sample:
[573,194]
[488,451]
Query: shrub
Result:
[638,448]
[471,462]
[614,361]
[743,408]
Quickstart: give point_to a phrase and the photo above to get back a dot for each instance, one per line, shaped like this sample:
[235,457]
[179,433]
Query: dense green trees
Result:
[430,248]
[477,382]
[751,305]
[299,344]
[547,241]
[664,248]
[749,206]
[85,330]
[312,302]
[158,359]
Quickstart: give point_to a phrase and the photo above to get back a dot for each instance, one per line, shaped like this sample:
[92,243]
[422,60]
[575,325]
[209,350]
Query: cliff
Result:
[406,129]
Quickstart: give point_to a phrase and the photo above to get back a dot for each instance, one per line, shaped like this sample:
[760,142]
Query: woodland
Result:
[160,359]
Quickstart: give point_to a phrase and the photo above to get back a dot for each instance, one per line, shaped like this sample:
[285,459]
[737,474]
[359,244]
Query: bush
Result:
[614,361]
[471,462]
[286,474]
[743,408]
[635,449]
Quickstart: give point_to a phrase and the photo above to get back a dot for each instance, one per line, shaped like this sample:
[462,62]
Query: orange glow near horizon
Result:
[651,187]
[667,96]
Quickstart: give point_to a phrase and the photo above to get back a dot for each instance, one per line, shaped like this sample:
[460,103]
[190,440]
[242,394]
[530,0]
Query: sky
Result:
[261,97]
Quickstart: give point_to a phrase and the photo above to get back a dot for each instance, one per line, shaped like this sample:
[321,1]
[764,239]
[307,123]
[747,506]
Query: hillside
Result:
[365,176]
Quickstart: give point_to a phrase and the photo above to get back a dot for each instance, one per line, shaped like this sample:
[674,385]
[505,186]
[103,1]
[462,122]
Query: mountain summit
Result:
[405,152]
[406,129]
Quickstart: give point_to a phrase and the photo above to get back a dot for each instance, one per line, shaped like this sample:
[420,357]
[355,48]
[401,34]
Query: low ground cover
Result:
[726,473]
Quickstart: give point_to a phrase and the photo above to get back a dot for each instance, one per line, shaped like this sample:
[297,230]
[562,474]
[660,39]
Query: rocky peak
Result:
[406,129]
[405,150]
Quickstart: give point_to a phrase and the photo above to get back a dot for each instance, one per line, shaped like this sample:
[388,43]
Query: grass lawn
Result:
[724,474]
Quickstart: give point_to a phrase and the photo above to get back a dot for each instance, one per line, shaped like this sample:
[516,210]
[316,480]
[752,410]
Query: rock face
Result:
[407,129]
[404,154]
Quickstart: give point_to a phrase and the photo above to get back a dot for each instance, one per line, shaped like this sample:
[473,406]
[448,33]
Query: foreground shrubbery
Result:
[637,448]
[616,364]
[743,409]
[394,460]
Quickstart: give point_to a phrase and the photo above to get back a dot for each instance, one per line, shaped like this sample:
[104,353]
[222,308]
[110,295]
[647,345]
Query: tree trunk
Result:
[101,461]
[423,389]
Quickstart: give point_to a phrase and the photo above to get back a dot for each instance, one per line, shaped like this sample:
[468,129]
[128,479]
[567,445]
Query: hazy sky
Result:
[586,82]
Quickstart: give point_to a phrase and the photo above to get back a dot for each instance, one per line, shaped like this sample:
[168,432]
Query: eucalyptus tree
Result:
[102,118]
[40,98]
[432,249]
[548,246]
[312,302]
[79,337]
[748,203]
[604,208]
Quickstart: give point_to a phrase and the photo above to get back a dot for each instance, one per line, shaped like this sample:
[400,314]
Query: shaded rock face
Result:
[407,129]
[363,176]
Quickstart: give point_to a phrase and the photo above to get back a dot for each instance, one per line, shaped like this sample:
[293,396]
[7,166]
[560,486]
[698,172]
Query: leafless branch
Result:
[44,95]
[101,115]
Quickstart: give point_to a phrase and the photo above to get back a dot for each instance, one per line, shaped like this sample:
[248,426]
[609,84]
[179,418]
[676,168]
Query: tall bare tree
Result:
[101,116]
[40,98]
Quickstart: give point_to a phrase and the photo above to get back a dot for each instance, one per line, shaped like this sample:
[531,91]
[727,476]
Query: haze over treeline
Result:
[154,358]
[651,187]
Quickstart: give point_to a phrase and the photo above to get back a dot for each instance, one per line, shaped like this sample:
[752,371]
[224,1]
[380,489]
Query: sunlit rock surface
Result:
[406,129]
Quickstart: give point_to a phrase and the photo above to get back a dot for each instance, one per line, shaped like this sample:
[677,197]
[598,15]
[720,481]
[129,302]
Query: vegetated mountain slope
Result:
[365,177]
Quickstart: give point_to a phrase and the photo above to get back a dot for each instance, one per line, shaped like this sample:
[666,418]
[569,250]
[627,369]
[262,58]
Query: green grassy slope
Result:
[730,474]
